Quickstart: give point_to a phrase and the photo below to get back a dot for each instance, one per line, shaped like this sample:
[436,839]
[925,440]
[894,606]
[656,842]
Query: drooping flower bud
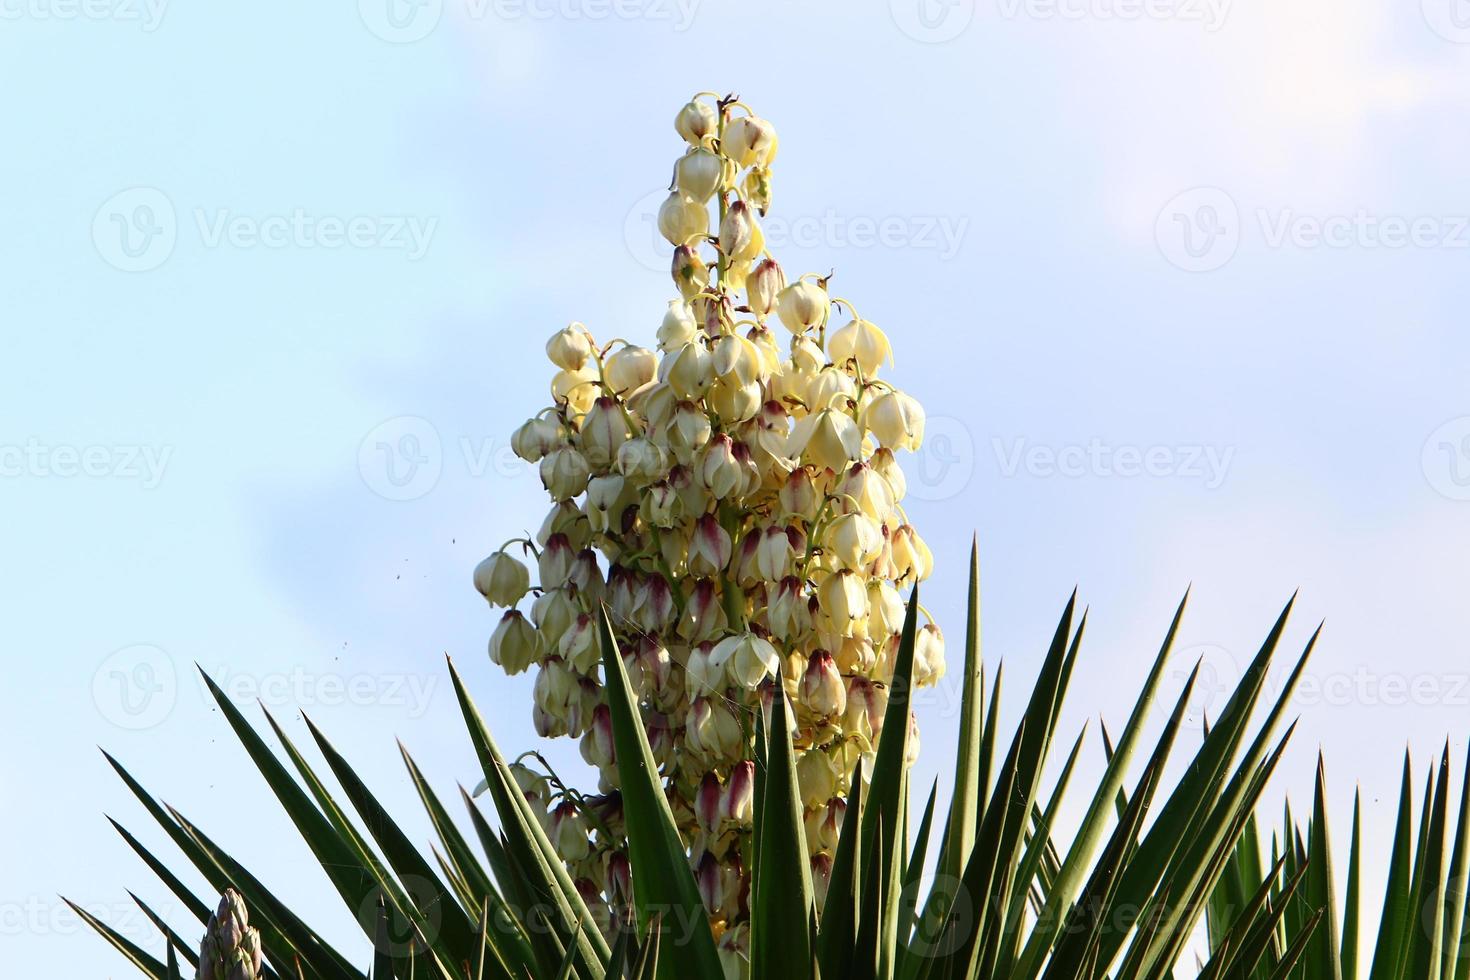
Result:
[707,803]
[828,439]
[661,738]
[579,645]
[741,238]
[776,553]
[604,430]
[718,469]
[709,547]
[695,121]
[756,188]
[569,347]
[738,800]
[502,580]
[689,370]
[911,556]
[843,601]
[698,174]
[553,612]
[564,473]
[734,401]
[629,368]
[822,690]
[691,277]
[867,703]
[746,659]
[682,220]
[555,561]
[677,328]
[641,461]
[928,655]
[763,285]
[597,744]
[576,390]
[862,343]
[788,614]
[896,421]
[821,877]
[685,435]
[712,730]
[803,306]
[711,882]
[816,777]
[515,644]
[749,141]
[535,438]
[704,614]
[569,832]
[854,540]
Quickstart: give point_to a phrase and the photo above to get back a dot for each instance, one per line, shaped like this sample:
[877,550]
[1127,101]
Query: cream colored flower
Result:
[749,141]
[896,421]
[696,121]
[862,343]
[803,306]
[746,660]
[569,347]
[681,219]
[502,580]
[698,174]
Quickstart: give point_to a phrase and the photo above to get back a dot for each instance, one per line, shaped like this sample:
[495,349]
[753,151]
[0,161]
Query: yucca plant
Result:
[1119,899]
[1424,925]
[719,618]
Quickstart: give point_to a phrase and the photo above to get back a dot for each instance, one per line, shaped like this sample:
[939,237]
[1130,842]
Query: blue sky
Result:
[1181,285]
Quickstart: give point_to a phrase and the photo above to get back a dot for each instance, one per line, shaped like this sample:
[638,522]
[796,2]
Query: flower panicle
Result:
[732,495]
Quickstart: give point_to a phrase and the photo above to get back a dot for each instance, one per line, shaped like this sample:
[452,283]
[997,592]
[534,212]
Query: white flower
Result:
[569,347]
[681,220]
[698,174]
[746,659]
[802,306]
[896,421]
[862,342]
[502,580]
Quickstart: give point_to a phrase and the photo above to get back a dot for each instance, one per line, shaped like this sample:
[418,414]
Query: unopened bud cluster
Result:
[230,949]
[734,499]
